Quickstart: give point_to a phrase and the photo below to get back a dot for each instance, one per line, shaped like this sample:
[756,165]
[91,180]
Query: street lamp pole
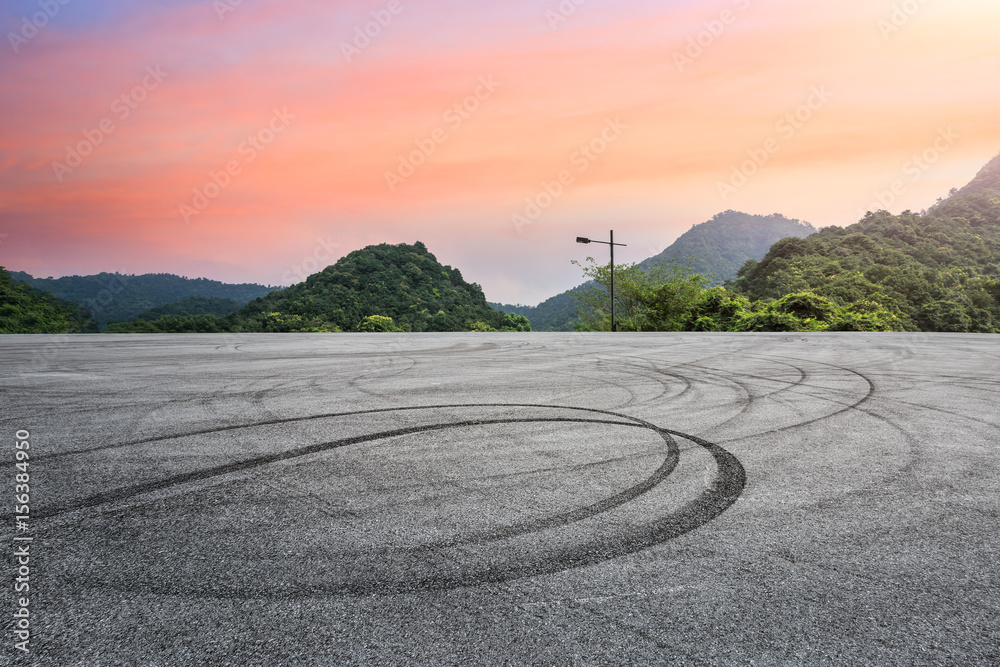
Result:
[583,239]
[614,327]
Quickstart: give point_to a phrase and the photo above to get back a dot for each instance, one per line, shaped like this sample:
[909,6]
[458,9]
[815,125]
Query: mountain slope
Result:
[939,271]
[24,309]
[366,287]
[719,247]
[193,305]
[114,297]
[557,313]
[986,181]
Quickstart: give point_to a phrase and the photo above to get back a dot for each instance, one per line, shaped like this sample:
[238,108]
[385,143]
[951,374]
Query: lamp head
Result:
[582,239]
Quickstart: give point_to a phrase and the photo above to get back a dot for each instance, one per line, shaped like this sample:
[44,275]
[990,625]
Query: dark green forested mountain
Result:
[557,313]
[193,305]
[937,271]
[115,297]
[378,288]
[24,309]
[718,248]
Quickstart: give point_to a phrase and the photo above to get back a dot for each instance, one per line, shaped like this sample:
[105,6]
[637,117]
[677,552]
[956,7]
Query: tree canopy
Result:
[24,309]
[116,297]
[936,271]
[718,247]
[378,288]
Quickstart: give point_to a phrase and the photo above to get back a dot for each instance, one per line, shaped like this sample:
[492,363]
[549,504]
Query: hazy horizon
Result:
[243,142]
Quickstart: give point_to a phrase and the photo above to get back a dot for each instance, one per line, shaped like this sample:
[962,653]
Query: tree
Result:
[645,300]
[716,309]
[512,322]
[944,316]
[24,309]
[378,324]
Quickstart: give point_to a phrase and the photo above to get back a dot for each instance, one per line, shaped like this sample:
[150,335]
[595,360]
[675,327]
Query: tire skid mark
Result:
[725,490]
[381,374]
[588,381]
[731,375]
[247,464]
[712,502]
[846,407]
[744,403]
[782,396]
[916,455]
[579,514]
[988,385]
[650,371]
[134,406]
[511,475]
[291,420]
[277,457]
[632,394]
[952,413]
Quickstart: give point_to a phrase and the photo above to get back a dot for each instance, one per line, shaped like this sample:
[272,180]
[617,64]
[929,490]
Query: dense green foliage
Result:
[171,324]
[653,299]
[673,298]
[715,249]
[939,271]
[193,305]
[378,324]
[557,313]
[718,309]
[718,248]
[24,309]
[936,271]
[379,288]
[114,297]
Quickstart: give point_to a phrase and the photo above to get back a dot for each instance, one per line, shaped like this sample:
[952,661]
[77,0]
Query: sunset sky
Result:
[258,141]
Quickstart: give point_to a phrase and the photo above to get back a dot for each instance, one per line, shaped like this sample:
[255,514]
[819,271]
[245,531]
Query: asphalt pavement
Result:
[501,499]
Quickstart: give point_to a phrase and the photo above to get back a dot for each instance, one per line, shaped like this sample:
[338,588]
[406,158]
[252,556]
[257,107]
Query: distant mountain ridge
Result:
[987,180]
[716,249]
[557,313]
[116,297]
[24,309]
[193,305]
[377,288]
[936,271]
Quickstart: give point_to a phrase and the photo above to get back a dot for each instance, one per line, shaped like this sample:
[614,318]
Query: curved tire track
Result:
[497,564]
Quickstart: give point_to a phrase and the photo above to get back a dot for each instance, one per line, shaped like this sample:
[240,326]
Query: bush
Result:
[378,324]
